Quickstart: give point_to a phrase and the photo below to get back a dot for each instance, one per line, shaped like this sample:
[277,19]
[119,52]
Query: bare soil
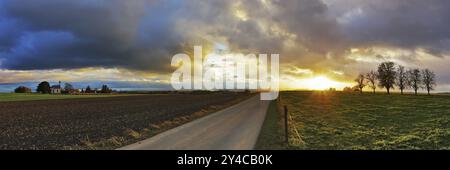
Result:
[56,124]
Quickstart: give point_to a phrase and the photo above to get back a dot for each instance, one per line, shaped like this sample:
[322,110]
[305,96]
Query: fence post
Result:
[286,127]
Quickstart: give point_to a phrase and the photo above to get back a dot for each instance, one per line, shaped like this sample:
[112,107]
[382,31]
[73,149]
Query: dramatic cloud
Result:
[337,38]
[48,34]
[74,34]
[403,23]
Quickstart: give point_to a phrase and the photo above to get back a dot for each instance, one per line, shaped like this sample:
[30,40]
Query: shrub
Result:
[22,89]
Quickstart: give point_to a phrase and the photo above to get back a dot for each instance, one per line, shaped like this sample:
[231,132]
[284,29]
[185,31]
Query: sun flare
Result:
[320,82]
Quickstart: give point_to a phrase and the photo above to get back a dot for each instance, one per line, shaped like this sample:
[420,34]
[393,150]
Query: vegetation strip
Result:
[272,134]
[12,97]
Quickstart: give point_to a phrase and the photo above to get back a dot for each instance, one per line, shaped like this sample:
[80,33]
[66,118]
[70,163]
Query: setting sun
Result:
[320,82]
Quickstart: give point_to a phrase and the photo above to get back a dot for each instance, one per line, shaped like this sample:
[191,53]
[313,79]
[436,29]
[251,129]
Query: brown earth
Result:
[58,124]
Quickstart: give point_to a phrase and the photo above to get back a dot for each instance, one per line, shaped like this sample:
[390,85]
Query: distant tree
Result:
[371,78]
[68,86]
[355,89]
[105,89]
[402,78]
[43,87]
[429,80]
[386,75]
[360,82]
[414,79]
[22,89]
[88,89]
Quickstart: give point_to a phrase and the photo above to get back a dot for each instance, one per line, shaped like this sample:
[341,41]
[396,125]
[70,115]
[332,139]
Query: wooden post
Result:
[286,127]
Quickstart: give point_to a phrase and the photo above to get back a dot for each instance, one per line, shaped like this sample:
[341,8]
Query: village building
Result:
[73,91]
[56,89]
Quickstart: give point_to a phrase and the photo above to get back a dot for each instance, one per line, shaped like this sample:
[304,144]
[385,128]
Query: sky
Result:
[319,41]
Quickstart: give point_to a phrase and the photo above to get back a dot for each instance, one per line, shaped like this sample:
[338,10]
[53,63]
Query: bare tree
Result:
[429,80]
[68,87]
[402,78]
[414,79]
[386,75]
[360,82]
[371,78]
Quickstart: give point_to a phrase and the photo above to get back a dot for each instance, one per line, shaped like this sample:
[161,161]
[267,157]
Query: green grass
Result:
[33,96]
[271,135]
[325,120]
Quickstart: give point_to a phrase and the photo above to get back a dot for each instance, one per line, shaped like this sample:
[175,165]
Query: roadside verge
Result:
[271,135]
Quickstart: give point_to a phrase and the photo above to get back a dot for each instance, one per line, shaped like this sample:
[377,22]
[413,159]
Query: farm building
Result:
[56,89]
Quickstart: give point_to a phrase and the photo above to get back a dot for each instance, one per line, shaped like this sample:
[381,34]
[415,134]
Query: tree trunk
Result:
[415,91]
[428,89]
[373,91]
[387,90]
[360,91]
[401,91]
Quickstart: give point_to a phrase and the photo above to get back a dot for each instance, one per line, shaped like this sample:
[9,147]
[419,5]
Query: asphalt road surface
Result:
[234,128]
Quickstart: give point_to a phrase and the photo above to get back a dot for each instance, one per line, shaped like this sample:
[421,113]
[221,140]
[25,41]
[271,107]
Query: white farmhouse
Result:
[56,89]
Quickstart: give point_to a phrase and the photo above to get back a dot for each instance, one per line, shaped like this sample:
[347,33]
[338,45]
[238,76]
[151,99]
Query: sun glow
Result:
[320,82]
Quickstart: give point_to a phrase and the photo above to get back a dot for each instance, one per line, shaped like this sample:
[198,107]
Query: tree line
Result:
[389,75]
[45,88]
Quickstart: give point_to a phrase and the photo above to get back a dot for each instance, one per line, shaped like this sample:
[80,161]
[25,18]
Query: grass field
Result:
[33,96]
[325,120]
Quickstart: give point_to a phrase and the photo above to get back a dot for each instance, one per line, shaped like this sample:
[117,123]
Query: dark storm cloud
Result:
[402,23]
[144,34]
[47,34]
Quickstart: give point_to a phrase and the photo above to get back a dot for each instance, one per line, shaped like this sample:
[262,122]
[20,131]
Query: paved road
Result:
[234,128]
